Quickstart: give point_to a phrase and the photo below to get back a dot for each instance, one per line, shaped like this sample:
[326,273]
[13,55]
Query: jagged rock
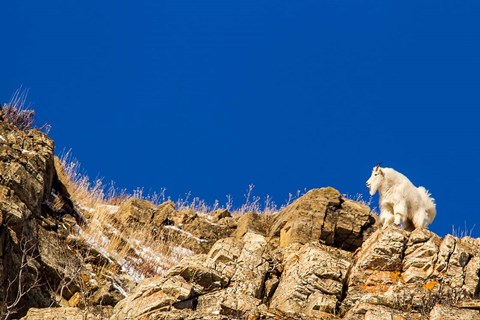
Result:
[313,281]
[471,283]
[321,257]
[27,169]
[219,214]
[163,213]
[183,216]
[198,236]
[246,262]
[61,265]
[106,295]
[65,313]
[136,212]
[251,222]
[237,266]
[473,244]
[208,232]
[153,296]
[26,175]
[443,312]
[383,251]
[193,270]
[75,299]
[322,214]
[366,311]
[469,304]
[41,267]
[420,255]
[184,228]
[301,272]
[223,256]
[411,272]
[377,265]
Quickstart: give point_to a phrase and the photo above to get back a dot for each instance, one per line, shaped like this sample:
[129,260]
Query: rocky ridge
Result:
[321,257]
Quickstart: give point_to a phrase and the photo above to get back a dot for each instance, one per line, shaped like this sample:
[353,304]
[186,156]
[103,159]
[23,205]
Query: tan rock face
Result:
[58,313]
[136,212]
[424,270]
[38,267]
[182,228]
[313,280]
[229,280]
[26,175]
[26,167]
[322,214]
[251,222]
[291,266]
[322,257]
[442,312]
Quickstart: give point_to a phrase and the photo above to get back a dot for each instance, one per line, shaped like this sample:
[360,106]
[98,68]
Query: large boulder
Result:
[26,174]
[228,281]
[135,213]
[446,312]
[323,215]
[38,267]
[64,313]
[313,281]
[411,272]
[322,257]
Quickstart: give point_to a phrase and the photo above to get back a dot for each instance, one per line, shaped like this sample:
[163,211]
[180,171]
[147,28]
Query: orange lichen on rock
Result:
[383,277]
[430,285]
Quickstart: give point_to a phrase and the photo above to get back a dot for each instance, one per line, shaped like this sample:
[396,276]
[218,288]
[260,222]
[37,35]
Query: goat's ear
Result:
[381,172]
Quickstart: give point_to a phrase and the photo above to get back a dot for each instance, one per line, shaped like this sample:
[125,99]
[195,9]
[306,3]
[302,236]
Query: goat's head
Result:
[375,179]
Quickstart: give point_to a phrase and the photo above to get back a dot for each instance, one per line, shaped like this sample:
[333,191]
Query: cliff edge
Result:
[321,257]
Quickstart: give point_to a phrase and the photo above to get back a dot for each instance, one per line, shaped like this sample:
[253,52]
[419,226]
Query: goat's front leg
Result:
[386,215]
[400,212]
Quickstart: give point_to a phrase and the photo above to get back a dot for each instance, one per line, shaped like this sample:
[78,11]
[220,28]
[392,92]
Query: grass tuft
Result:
[15,113]
[460,232]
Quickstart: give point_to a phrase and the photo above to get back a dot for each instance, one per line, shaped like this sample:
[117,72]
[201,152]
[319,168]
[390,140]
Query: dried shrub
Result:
[15,113]
[445,295]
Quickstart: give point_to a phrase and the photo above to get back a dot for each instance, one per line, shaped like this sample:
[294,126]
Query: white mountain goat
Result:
[400,201]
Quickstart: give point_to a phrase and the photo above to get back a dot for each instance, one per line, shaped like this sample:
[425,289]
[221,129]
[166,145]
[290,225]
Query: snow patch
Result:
[188,234]
[117,287]
[84,208]
[111,209]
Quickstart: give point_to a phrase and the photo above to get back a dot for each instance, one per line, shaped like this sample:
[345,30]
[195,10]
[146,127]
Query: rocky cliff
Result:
[321,257]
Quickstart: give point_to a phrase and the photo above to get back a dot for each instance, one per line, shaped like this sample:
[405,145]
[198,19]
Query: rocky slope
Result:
[322,257]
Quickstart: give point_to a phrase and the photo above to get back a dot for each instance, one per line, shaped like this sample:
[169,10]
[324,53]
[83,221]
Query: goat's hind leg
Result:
[420,218]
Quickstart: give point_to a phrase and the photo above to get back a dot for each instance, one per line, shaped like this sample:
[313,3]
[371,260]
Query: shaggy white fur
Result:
[400,201]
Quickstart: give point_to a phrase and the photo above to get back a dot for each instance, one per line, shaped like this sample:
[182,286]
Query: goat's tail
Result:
[429,203]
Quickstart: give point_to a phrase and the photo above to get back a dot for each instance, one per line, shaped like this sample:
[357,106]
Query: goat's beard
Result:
[373,190]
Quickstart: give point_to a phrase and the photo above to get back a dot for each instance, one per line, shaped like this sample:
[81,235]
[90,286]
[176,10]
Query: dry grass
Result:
[139,248]
[132,246]
[15,113]
[445,296]
[460,232]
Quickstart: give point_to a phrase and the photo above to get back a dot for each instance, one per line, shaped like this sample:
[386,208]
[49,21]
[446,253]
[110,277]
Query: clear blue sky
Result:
[209,96]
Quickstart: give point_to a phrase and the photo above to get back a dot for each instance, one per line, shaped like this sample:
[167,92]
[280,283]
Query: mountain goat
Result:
[400,201]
